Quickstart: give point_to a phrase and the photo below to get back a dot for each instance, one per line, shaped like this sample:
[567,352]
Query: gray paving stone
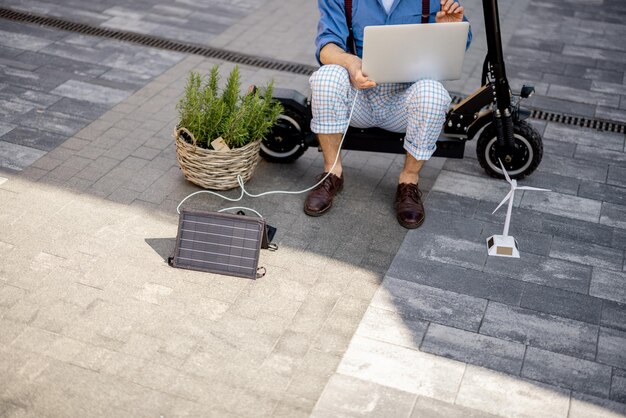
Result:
[594,73]
[598,154]
[85,109]
[562,303]
[9,52]
[11,108]
[611,345]
[41,79]
[23,41]
[613,215]
[582,136]
[444,249]
[474,348]
[582,96]
[608,284]
[426,407]
[595,53]
[5,127]
[613,315]
[444,224]
[402,368]
[83,53]
[387,326]
[89,92]
[609,88]
[540,330]
[505,395]
[128,79]
[561,205]
[587,406]
[58,123]
[17,157]
[555,182]
[541,270]
[618,386]
[589,254]
[608,113]
[141,60]
[34,97]
[465,165]
[617,176]
[444,202]
[571,82]
[602,192]
[564,106]
[51,62]
[473,187]
[575,230]
[431,304]
[460,280]
[584,170]
[567,372]
[33,138]
[349,396]
[619,238]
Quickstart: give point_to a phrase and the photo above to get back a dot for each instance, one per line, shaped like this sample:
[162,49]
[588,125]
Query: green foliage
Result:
[209,113]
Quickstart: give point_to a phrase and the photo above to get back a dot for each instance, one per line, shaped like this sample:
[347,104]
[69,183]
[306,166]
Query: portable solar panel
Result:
[219,243]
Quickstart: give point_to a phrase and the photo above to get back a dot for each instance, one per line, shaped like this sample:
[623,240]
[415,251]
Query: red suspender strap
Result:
[425,10]
[348,9]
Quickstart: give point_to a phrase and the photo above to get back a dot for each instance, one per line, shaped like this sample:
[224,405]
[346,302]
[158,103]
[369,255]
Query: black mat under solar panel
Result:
[218,243]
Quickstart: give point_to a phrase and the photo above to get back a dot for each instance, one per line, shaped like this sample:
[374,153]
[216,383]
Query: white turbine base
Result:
[502,246]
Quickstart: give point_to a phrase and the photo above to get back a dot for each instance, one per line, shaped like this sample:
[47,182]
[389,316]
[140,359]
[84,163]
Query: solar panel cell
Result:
[219,243]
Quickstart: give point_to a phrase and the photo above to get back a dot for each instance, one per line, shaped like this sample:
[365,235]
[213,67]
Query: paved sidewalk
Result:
[452,332]
[93,322]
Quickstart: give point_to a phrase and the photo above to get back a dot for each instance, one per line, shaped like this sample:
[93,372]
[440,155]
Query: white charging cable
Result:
[244,192]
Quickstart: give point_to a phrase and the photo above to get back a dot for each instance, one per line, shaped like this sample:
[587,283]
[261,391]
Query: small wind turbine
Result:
[505,245]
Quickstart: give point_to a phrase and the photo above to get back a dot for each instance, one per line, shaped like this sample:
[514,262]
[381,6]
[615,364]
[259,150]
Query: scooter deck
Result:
[380,140]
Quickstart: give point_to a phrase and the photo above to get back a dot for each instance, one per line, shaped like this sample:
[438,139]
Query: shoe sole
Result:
[318,214]
[409,225]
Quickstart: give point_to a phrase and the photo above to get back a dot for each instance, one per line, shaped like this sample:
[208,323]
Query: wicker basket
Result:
[211,169]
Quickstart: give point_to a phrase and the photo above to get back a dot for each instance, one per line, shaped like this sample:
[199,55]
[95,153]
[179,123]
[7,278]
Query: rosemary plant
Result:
[209,113]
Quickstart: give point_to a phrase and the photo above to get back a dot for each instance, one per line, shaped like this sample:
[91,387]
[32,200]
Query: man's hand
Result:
[332,54]
[450,11]
[357,78]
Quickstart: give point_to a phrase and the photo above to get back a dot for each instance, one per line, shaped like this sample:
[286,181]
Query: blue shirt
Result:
[333,28]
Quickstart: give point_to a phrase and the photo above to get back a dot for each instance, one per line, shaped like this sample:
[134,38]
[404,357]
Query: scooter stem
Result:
[495,55]
[502,112]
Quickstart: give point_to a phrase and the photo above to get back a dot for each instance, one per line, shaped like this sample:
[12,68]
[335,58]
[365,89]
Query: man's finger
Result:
[453,9]
[447,5]
[363,82]
[367,84]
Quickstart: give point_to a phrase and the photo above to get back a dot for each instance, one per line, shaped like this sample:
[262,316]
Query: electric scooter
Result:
[493,110]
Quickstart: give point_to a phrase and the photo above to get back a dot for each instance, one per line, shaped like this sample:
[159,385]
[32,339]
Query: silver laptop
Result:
[407,53]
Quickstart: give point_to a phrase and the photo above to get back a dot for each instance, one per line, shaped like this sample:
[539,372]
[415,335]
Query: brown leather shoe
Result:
[320,199]
[409,207]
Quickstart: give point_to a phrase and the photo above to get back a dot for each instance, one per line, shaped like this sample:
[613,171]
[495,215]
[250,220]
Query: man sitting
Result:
[419,109]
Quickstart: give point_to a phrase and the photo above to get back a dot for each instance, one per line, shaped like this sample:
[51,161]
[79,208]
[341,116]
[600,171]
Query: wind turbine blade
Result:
[509,195]
[532,188]
[506,175]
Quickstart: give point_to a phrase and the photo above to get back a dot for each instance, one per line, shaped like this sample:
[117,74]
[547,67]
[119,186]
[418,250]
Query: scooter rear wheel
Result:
[285,142]
[519,163]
